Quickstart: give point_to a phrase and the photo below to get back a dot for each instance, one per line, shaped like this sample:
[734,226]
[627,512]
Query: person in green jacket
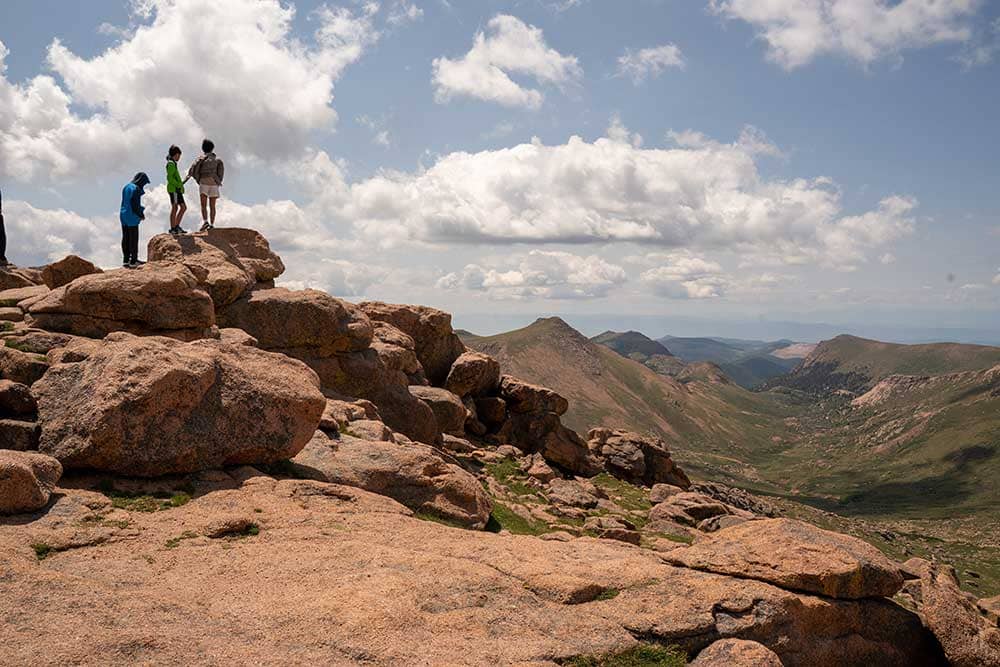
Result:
[175,189]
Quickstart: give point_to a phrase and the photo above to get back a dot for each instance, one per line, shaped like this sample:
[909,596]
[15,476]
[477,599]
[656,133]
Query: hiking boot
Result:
[205,227]
[180,230]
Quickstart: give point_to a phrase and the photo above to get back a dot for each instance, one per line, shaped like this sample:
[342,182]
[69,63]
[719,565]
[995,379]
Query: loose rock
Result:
[26,481]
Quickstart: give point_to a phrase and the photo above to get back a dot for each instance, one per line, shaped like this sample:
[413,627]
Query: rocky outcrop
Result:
[16,296]
[300,322]
[436,344]
[66,270]
[544,433]
[449,411]
[154,406]
[12,277]
[737,653]
[523,398]
[473,374]
[410,473]
[215,265]
[967,635]
[398,352]
[797,556]
[21,367]
[26,481]
[156,299]
[635,458]
[252,250]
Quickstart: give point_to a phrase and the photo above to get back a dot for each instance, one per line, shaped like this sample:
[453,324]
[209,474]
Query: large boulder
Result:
[18,434]
[155,406]
[737,653]
[398,352]
[216,267]
[299,322]
[448,408]
[473,374]
[687,508]
[156,299]
[12,277]
[413,474]
[16,399]
[26,481]
[437,345]
[796,556]
[251,248]
[544,433]
[969,638]
[21,367]
[635,458]
[15,296]
[66,270]
[523,397]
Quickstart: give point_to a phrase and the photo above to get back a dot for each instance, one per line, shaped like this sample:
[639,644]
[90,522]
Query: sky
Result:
[705,167]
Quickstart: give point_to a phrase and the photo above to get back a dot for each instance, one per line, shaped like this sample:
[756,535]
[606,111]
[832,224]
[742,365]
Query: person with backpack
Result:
[131,214]
[175,190]
[208,171]
[3,237]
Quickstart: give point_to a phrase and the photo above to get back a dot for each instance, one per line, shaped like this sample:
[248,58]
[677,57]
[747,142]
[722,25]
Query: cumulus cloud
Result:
[706,195]
[649,63]
[508,46]
[887,258]
[683,275]
[404,11]
[996,278]
[227,68]
[540,273]
[799,31]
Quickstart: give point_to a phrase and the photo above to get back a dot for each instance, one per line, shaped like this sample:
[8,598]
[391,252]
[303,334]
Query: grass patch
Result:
[607,594]
[504,471]
[144,502]
[7,326]
[175,542]
[504,518]
[42,550]
[643,655]
[627,496]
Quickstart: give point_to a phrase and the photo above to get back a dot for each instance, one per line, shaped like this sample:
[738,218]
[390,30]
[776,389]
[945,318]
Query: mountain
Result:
[713,424]
[852,364]
[641,348]
[748,363]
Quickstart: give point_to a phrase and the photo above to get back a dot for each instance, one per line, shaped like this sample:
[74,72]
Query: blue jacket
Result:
[132,212]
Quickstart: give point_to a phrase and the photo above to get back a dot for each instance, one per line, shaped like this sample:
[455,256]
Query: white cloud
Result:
[683,275]
[996,278]
[704,197]
[649,63]
[887,258]
[540,274]
[380,135]
[229,69]
[798,31]
[404,11]
[509,46]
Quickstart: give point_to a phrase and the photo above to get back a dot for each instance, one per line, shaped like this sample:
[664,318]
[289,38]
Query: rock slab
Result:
[26,481]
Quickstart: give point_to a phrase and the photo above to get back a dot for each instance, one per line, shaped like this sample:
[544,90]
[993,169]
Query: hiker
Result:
[175,190]
[3,237]
[131,214]
[208,171]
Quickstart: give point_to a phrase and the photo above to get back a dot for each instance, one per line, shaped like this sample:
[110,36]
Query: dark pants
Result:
[130,244]
[3,240]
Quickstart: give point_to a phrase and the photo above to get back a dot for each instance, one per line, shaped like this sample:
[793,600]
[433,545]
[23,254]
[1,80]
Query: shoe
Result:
[173,231]
[126,265]
[180,230]
[138,262]
[205,227]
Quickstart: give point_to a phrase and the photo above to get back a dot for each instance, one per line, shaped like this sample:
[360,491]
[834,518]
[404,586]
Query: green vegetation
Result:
[627,496]
[7,326]
[607,594]
[434,518]
[643,655]
[144,502]
[175,542]
[42,550]
[504,518]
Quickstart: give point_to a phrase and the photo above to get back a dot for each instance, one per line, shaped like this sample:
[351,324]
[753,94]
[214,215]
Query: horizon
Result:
[696,168]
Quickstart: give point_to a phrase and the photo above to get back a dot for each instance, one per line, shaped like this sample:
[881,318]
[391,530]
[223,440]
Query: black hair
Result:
[172,151]
[207,146]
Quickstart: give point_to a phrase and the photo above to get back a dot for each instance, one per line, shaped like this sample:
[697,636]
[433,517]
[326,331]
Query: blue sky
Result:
[805,160]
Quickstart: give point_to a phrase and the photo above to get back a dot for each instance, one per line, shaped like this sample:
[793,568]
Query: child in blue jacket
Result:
[131,214]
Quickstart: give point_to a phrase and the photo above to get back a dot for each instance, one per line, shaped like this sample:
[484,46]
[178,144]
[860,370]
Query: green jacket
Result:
[174,182]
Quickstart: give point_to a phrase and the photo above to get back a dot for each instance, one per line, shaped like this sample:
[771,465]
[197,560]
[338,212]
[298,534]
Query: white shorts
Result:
[210,191]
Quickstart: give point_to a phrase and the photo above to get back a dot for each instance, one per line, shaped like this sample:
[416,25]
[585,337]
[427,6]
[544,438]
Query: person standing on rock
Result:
[131,214]
[175,189]
[208,171]
[3,237]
